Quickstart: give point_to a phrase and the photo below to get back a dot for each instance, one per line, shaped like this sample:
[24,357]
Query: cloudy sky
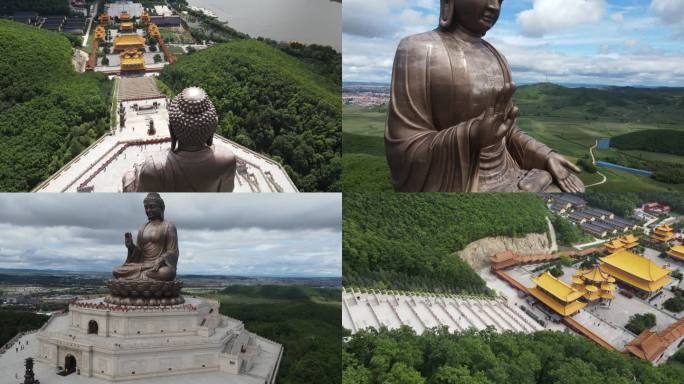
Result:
[611,42]
[231,234]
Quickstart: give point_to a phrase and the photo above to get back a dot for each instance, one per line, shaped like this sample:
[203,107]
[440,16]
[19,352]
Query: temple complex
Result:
[556,294]
[100,167]
[636,271]
[663,233]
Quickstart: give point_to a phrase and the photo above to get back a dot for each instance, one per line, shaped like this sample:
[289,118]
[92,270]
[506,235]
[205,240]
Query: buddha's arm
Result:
[526,151]
[422,156]
[170,255]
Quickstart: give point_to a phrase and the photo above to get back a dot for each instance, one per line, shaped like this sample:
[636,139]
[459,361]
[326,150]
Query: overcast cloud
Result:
[607,42]
[230,234]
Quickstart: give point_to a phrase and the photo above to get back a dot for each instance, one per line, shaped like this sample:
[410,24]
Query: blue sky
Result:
[611,42]
[220,234]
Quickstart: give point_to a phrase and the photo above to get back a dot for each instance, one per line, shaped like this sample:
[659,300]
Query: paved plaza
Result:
[101,166]
[375,310]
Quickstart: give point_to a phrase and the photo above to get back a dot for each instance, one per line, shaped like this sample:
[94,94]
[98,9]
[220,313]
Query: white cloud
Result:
[669,11]
[548,16]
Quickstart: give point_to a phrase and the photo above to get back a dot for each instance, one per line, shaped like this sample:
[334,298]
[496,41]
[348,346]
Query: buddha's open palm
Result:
[562,171]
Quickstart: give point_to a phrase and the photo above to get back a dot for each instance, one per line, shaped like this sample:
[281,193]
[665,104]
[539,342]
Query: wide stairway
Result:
[391,310]
[136,88]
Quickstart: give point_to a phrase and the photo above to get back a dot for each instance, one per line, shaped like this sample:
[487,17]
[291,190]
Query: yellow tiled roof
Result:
[595,274]
[128,40]
[649,286]
[676,251]
[630,239]
[556,287]
[564,310]
[636,265]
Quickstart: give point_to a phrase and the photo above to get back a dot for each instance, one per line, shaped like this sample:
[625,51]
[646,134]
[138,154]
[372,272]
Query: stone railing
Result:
[120,308]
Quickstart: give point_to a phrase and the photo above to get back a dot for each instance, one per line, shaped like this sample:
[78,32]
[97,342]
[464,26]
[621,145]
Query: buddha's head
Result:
[192,119]
[154,206]
[475,16]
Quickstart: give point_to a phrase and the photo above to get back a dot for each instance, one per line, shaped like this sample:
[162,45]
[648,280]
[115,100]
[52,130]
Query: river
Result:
[306,21]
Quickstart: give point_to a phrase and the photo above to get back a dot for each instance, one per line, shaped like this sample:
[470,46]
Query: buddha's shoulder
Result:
[224,156]
[420,41]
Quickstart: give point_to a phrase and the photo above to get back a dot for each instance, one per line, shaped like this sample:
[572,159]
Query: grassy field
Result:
[569,121]
[305,320]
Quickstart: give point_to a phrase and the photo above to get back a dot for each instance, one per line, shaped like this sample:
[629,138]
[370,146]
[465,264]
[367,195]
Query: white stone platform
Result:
[100,167]
[375,310]
[190,343]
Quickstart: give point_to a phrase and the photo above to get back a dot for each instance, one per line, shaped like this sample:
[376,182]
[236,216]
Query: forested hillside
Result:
[305,320]
[660,106]
[273,103]
[438,357]
[656,140]
[13,322]
[48,112]
[407,241]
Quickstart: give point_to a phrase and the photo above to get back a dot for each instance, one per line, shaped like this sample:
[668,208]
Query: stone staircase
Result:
[138,88]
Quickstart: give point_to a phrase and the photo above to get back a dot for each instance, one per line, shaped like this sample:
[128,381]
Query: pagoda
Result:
[663,233]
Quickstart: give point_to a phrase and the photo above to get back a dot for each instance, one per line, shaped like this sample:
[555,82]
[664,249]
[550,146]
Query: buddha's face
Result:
[154,211]
[477,16]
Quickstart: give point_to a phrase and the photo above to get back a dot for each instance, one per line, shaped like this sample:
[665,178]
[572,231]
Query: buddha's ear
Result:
[174,141]
[446,13]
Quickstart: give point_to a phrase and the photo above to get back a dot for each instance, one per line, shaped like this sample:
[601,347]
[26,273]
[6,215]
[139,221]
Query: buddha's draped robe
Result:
[441,85]
[156,241]
[209,170]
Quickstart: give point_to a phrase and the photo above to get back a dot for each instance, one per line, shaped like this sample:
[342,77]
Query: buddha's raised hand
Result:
[496,120]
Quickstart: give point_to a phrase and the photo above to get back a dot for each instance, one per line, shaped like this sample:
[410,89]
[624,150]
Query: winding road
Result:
[593,161]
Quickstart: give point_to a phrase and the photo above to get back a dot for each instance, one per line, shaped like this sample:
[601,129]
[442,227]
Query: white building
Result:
[97,342]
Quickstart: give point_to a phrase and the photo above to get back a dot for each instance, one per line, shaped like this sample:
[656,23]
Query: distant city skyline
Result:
[280,235]
[599,42]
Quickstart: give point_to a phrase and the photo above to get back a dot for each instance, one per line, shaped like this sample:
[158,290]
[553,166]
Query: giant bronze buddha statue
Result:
[192,164]
[451,124]
[148,275]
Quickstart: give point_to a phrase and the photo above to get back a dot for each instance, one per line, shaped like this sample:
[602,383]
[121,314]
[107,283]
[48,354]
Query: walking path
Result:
[593,161]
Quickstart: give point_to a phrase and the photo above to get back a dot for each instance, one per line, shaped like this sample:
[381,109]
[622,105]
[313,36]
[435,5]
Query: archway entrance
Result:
[69,364]
[92,327]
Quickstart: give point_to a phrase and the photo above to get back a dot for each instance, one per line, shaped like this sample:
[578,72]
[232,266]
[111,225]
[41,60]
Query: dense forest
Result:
[660,106]
[438,357]
[656,140]
[48,112]
[407,241]
[309,331]
[43,7]
[624,203]
[287,292]
[273,103]
[13,322]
